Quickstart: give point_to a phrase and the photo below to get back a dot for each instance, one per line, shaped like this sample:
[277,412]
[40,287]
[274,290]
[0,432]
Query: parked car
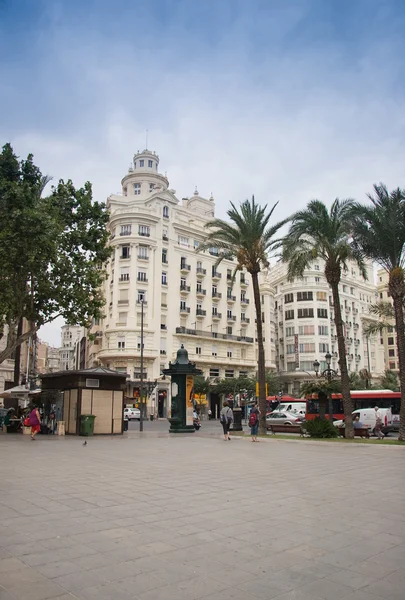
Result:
[132,413]
[283,418]
[367,419]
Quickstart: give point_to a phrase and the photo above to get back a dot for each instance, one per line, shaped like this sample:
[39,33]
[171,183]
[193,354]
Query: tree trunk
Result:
[261,374]
[13,341]
[400,329]
[344,375]
[322,405]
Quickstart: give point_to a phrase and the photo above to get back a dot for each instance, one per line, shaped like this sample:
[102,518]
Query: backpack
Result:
[225,418]
[253,419]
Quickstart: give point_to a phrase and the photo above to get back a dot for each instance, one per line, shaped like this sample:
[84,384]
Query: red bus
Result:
[361,399]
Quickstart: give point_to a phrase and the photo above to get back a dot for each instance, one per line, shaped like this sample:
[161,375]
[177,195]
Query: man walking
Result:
[378,424]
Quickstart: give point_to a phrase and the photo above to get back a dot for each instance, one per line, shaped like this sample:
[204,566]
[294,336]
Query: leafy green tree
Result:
[52,250]
[390,381]
[274,384]
[316,233]
[323,389]
[248,239]
[356,382]
[202,385]
[379,233]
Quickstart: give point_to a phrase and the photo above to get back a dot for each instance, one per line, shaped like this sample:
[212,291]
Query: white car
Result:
[132,413]
[367,419]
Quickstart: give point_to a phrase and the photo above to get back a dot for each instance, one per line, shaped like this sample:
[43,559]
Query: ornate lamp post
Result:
[329,374]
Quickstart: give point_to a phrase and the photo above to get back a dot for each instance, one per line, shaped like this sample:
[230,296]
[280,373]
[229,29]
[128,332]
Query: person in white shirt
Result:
[378,424]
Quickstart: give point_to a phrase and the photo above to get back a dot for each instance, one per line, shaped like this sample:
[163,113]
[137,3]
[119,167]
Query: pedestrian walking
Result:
[209,414]
[254,422]
[226,419]
[35,422]
[378,424]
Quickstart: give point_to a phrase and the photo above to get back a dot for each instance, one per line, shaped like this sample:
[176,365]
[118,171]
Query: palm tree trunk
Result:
[344,375]
[322,405]
[400,328]
[261,374]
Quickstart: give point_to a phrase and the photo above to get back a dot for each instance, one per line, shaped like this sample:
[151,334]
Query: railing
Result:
[200,312]
[216,275]
[163,326]
[201,292]
[231,298]
[185,288]
[142,257]
[143,234]
[244,300]
[231,318]
[213,334]
[216,295]
[184,267]
[185,309]
[124,277]
[201,271]
[216,316]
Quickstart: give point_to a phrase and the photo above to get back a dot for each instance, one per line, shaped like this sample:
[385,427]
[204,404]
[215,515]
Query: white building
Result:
[185,298]
[306,329]
[69,351]
[388,337]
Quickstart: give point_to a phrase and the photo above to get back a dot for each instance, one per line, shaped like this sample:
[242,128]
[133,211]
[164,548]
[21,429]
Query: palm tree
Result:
[248,239]
[318,233]
[379,232]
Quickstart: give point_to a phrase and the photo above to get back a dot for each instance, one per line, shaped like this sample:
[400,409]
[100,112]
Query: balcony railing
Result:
[213,334]
[217,295]
[230,298]
[216,316]
[185,267]
[231,318]
[201,271]
[201,292]
[144,233]
[185,309]
[124,277]
[246,320]
[216,275]
[184,288]
[163,326]
[244,300]
[200,312]
[143,257]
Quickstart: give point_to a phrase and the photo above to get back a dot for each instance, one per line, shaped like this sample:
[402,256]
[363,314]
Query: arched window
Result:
[166,212]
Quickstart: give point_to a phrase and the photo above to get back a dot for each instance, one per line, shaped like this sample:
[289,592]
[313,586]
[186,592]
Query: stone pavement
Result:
[183,518]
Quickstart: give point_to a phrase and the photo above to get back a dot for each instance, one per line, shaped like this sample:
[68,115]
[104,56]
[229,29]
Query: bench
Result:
[362,432]
[287,429]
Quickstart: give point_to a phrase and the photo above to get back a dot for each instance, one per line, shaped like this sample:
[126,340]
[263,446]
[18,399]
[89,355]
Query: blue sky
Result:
[289,100]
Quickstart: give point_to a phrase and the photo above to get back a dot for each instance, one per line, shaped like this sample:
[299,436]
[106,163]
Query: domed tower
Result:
[143,178]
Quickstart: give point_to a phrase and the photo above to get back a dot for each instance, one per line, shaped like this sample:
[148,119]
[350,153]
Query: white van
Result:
[293,407]
[367,418]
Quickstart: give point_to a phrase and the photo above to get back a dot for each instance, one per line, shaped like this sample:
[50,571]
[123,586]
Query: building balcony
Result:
[243,283]
[244,300]
[200,313]
[143,234]
[124,277]
[201,272]
[216,296]
[142,257]
[142,279]
[212,334]
[245,322]
[184,268]
[231,318]
[216,276]
[185,309]
[185,289]
[230,299]
[165,238]
[216,317]
[201,293]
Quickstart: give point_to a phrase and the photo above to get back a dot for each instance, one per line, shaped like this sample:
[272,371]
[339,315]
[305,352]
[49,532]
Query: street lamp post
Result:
[329,374]
[141,413]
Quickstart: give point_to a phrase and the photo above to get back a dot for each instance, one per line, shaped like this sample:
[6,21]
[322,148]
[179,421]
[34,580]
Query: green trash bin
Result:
[87,424]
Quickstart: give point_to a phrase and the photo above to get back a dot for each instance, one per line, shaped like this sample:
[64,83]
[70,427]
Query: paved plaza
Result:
[153,517]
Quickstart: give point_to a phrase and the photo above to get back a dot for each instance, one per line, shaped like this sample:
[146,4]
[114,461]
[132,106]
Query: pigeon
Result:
[84,443]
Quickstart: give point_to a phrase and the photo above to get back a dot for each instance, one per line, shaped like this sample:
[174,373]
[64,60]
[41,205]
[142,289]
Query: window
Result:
[150,164]
[164,278]
[391,352]
[229,314]
[198,350]
[196,244]
[345,288]
[392,365]
[125,251]
[306,348]
[214,372]
[142,163]
[306,313]
[144,230]
[139,343]
[317,279]
[288,298]
[121,343]
[323,348]
[229,330]
[352,291]
[163,300]
[243,353]
[214,350]
[165,234]
[229,274]
[229,373]
[182,304]
[183,241]
[124,296]
[124,274]
[143,252]
[390,329]
[162,345]
[306,330]
[141,296]
[323,330]
[137,189]
[229,353]
[125,230]
[321,296]
[290,348]
[165,212]
[214,310]
[142,276]
[316,267]
[164,255]
[289,331]
[390,341]
[289,314]
[214,290]
[243,317]
[322,313]
[301,296]
[151,187]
